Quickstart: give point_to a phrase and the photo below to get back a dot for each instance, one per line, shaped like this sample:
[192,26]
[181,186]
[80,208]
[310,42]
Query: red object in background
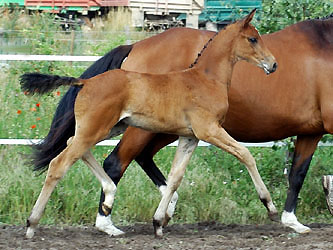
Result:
[75,3]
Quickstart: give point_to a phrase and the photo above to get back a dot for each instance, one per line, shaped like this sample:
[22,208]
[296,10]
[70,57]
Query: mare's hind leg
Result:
[305,147]
[108,188]
[115,165]
[184,152]
[57,169]
[216,135]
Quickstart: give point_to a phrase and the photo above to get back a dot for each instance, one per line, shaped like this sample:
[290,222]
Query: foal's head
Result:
[250,47]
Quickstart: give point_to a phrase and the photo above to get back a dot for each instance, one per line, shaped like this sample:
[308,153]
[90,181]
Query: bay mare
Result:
[191,104]
[295,101]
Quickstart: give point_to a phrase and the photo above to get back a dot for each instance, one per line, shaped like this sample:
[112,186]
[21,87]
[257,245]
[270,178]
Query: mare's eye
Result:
[253,40]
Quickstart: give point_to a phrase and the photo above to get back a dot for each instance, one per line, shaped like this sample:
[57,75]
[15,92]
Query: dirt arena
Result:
[189,236]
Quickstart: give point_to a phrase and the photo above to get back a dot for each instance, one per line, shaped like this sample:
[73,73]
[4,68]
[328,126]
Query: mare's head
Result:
[249,46]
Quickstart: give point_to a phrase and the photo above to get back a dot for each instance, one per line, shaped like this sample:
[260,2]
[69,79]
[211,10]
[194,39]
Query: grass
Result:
[215,187]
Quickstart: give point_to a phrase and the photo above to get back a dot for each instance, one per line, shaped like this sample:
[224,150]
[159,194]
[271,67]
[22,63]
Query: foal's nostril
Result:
[274,67]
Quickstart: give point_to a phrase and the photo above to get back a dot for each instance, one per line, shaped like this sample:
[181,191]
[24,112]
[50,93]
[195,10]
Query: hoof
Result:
[305,230]
[289,219]
[274,216]
[158,229]
[104,224]
[30,233]
[106,209]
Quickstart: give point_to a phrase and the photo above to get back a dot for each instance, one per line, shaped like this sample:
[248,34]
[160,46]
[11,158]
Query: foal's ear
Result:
[249,17]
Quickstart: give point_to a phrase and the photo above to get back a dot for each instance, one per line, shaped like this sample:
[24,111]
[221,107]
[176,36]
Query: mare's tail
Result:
[63,123]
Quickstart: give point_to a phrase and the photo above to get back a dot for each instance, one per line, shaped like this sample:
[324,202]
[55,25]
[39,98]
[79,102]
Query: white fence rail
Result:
[115,142]
[61,58]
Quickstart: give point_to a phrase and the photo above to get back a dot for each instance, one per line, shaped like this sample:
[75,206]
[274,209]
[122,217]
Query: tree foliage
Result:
[277,14]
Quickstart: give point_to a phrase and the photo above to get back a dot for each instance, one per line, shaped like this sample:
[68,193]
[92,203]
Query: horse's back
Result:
[172,50]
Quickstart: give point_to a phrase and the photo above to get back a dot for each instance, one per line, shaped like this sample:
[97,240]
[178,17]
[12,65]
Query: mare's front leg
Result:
[213,133]
[184,152]
[145,160]
[304,150]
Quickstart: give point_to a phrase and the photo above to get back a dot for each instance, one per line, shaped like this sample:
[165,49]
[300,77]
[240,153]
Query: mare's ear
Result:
[248,18]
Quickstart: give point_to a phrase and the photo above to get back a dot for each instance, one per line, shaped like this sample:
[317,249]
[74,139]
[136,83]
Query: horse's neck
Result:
[218,59]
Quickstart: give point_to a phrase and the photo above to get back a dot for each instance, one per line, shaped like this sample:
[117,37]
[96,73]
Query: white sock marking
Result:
[289,219]
[104,224]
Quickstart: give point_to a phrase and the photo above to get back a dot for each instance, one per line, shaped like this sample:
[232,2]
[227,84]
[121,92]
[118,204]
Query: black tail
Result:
[36,83]
[63,123]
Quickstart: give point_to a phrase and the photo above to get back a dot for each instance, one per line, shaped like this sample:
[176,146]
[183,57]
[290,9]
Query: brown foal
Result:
[190,103]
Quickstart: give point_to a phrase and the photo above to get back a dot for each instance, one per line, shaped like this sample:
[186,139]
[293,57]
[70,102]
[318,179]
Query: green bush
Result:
[278,14]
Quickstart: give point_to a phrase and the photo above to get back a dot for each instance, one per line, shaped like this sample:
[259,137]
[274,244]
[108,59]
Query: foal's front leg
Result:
[184,152]
[216,135]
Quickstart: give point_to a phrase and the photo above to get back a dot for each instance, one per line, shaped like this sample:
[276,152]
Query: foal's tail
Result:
[36,83]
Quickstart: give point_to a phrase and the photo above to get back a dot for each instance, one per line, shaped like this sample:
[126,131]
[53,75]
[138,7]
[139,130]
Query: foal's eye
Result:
[253,40]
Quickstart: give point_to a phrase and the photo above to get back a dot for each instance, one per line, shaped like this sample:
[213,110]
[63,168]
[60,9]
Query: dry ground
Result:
[188,236]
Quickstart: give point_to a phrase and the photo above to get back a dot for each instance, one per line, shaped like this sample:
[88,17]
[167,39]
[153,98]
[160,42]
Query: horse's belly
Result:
[264,127]
[159,125]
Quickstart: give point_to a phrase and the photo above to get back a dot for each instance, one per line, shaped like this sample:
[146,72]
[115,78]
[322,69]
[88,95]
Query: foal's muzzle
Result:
[269,68]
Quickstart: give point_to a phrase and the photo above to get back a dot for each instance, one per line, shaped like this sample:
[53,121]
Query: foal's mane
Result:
[207,43]
[202,50]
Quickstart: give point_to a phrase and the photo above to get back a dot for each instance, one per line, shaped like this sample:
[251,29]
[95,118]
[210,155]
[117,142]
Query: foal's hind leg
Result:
[57,169]
[184,152]
[217,136]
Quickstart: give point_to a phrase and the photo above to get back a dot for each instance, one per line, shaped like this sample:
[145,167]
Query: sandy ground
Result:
[178,236]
